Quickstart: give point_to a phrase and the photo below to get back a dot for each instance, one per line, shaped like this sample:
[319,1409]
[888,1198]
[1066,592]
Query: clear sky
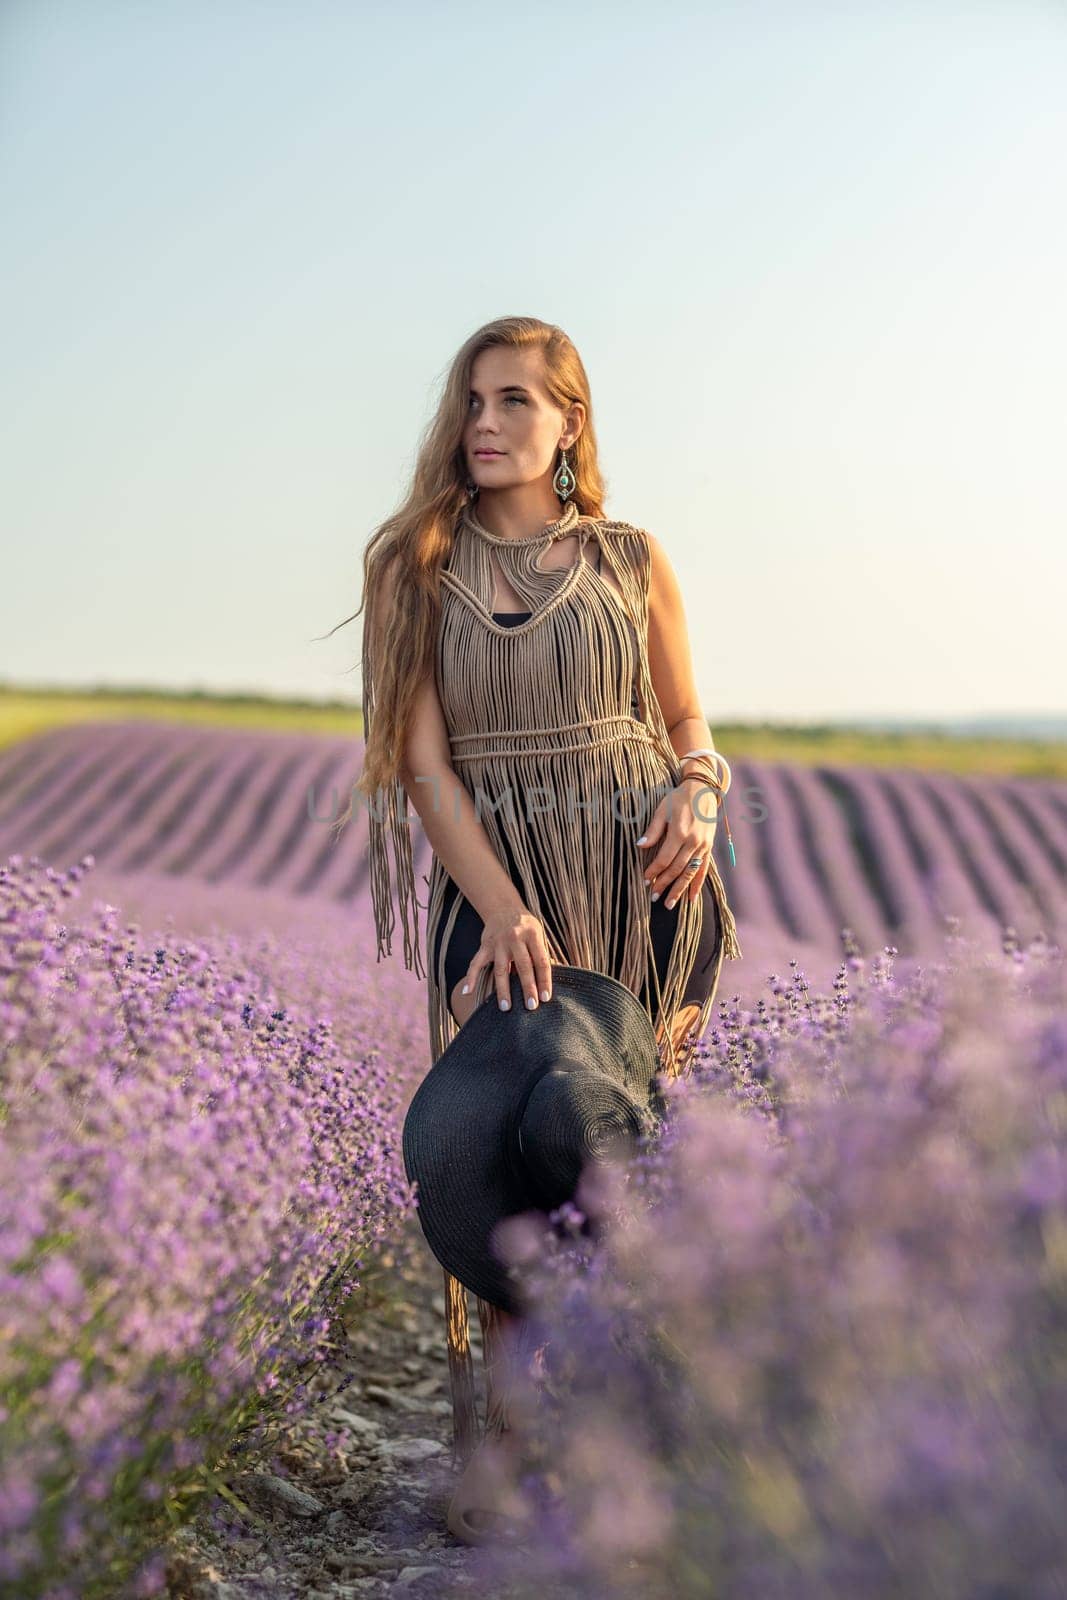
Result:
[813,256]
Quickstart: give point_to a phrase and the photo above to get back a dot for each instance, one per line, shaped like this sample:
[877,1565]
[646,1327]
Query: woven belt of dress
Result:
[564,740]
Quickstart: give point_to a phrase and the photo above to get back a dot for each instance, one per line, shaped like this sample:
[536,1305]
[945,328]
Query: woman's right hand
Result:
[513,938]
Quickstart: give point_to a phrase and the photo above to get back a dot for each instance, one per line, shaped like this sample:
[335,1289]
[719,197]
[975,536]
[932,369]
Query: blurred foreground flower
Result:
[815,1343]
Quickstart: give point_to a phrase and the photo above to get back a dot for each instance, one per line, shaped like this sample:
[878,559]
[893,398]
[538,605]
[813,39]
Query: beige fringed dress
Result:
[565,778]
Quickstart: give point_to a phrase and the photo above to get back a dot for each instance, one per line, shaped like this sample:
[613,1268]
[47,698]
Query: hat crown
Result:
[571,1114]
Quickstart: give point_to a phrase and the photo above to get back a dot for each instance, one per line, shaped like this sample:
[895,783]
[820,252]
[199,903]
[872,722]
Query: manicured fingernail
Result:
[531,1002]
[544,994]
[656,895]
[643,838]
[672,903]
[464,989]
[505,1005]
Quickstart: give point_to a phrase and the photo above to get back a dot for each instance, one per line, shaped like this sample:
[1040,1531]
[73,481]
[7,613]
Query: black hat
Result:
[520,1101]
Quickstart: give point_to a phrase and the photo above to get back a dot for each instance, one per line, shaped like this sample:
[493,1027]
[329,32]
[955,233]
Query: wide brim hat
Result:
[516,1106]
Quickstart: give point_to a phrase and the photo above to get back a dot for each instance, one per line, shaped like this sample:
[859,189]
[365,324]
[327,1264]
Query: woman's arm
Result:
[670,661]
[447,811]
[445,808]
[513,935]
[678,834]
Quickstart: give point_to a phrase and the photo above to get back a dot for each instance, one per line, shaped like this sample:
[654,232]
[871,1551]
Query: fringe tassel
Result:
[500,1353]
[460,1371]
[389,820]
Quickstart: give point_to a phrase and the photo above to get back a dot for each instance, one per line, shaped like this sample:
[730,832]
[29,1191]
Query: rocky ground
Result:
[366,1517]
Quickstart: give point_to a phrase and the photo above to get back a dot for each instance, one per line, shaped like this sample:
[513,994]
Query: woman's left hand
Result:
[683,826]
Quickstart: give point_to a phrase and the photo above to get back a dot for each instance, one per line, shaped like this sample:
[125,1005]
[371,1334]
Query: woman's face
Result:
[510,412]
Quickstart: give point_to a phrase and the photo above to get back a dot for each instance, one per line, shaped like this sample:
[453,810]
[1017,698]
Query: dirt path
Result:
[368,1519]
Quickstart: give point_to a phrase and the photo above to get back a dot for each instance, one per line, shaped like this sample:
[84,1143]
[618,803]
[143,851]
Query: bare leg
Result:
[501,1334]
[462,1004]
[483,1500]
[486,1501]
[500,1330]
[684,1021]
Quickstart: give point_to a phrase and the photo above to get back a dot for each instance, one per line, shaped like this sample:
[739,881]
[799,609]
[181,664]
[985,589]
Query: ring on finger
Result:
[690,867]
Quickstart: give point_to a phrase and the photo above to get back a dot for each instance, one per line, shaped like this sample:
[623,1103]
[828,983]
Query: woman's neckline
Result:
[564,524]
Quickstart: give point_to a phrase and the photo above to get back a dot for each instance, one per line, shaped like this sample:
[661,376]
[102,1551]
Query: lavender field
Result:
[818,1349]
[230,830]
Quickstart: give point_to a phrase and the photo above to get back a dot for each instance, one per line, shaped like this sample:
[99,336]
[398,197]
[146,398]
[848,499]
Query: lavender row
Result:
[887,854]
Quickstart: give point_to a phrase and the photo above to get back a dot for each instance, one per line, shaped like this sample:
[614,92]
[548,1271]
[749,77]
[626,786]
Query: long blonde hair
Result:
[398,649]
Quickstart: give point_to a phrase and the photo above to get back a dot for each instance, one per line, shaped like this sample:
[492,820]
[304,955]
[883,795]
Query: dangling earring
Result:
[563,482]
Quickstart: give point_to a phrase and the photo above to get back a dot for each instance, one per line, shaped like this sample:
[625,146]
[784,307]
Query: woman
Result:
[527,684]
